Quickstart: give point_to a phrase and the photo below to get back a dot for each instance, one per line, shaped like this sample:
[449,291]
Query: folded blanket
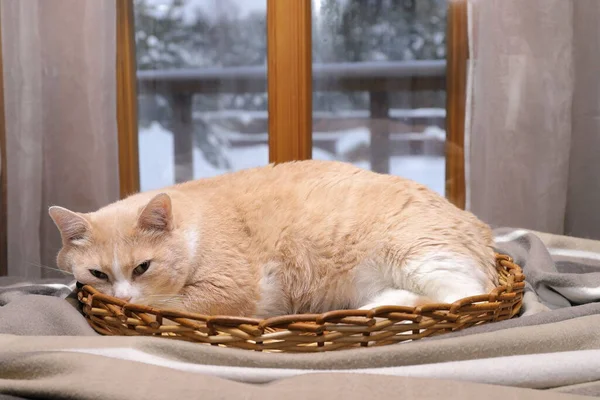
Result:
[560,275]
[109,379]
[553,345]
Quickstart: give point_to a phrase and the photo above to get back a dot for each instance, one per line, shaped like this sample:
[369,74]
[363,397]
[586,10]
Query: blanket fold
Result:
[46,346]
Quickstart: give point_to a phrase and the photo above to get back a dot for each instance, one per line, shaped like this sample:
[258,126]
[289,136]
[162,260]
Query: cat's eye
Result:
[140,269]
[99,274]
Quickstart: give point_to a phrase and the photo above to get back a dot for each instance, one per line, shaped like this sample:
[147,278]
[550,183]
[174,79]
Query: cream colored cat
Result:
[300,237]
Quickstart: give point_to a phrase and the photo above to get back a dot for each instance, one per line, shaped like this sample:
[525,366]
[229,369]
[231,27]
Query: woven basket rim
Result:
[505,291]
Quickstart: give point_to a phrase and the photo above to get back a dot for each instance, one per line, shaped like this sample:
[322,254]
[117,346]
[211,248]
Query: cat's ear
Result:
[73,227]
[157,215]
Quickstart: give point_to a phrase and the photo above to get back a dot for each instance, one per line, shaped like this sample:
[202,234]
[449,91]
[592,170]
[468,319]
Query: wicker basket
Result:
[335,330]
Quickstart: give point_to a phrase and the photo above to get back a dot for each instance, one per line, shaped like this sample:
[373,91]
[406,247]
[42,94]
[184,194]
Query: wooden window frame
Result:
[456,98]
[127,117]
[289,77]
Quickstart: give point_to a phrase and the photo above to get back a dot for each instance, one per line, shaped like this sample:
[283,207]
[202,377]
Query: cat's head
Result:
[133,252]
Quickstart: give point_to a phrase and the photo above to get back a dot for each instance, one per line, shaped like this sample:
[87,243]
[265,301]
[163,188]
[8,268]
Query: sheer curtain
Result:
[534,136]
[60,95]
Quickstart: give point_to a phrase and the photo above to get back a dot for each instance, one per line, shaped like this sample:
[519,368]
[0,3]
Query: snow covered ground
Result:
[157,167]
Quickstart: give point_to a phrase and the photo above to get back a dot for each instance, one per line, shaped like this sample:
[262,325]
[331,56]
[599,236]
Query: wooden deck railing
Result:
[379,79]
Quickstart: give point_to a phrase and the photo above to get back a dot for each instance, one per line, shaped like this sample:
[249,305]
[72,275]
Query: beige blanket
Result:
[557,350]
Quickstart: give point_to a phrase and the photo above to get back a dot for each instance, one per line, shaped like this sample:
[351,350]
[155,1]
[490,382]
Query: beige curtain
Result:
[60,94]
[533,137]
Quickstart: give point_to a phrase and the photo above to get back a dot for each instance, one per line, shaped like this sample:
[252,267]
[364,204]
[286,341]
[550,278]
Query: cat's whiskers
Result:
[50,268]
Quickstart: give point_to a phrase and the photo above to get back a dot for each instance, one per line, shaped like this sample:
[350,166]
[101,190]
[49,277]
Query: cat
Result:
[297,237]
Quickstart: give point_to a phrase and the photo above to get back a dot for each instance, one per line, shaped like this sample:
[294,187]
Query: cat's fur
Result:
[297,237]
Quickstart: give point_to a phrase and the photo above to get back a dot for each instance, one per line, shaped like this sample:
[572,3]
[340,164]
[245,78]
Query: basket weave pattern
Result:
[335,330]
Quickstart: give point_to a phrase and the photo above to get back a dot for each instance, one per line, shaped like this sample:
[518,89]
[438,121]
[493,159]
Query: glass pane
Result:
[379,86]
[201,88]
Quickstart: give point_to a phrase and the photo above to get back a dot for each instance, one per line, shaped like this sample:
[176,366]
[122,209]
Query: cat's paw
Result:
[395,297]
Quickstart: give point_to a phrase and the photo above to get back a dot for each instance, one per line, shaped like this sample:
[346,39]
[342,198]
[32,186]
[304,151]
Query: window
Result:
[380,92]
[378,80]
[202,95]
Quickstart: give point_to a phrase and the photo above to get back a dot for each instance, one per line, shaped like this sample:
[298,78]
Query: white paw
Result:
[394,297]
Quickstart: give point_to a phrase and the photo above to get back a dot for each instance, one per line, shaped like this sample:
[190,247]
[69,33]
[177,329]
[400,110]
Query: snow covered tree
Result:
[379,30]
[162,37]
